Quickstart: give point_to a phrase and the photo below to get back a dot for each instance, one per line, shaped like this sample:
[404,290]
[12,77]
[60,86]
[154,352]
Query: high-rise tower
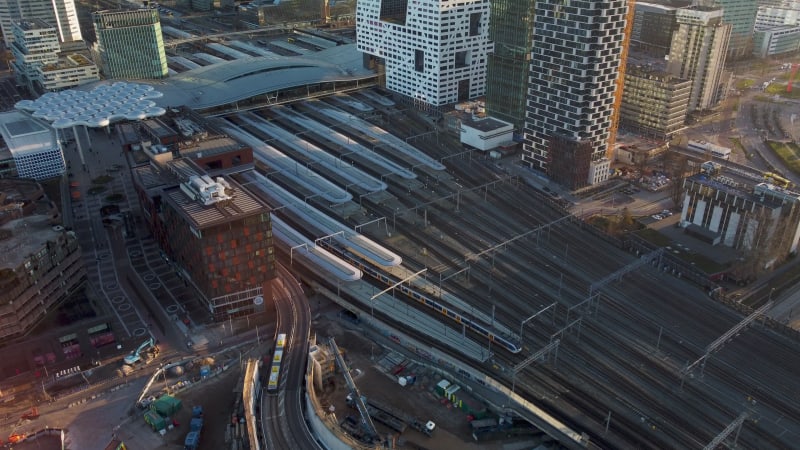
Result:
[576,60]
[434,51]
[698,53]
[511,30]
[130,43]
[60,14]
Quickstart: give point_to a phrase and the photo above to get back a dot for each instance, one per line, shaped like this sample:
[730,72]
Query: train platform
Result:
[401,310]
[435,291]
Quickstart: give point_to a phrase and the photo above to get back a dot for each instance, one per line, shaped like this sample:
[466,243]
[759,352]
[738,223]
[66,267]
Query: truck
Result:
[192,440]
[135,356]
[197,411]
[425,428]
[196,424]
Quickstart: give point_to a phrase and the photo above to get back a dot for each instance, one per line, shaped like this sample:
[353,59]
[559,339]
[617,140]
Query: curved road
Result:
[283,424]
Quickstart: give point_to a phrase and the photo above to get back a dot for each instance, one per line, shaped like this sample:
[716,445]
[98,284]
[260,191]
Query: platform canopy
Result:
[99,107]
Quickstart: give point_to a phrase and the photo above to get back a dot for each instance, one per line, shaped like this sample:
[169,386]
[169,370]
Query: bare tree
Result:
[678,165]
[769,244]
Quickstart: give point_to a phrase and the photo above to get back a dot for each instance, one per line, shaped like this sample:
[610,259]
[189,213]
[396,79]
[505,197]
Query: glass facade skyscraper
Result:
[130,44]
[741,14]
[511,30]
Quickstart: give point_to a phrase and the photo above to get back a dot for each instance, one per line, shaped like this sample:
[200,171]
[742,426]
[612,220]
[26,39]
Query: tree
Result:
[768,245]
[678,165]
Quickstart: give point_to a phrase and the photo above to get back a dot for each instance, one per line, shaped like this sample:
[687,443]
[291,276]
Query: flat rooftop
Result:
[199,215]
[484,124]
[211,146]
[159,128]
[24,231]
[33,24]
[24,134]
[242,204]
[28,235]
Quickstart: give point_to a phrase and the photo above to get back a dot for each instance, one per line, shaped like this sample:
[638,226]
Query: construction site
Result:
[409,403]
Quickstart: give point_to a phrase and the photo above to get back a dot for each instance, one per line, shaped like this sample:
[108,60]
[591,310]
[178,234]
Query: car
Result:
[657,216]
[666,213]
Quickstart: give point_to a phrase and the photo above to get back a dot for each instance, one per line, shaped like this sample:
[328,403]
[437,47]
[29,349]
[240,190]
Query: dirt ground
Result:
[217,399]
[215,395]
[418,400]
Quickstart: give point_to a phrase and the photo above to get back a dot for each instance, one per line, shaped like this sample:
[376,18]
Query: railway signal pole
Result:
[720,341]
[551,347]
[736,425]
[391,288]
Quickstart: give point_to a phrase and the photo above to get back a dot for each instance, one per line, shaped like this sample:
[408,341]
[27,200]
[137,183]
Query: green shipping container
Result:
[166,406]
[156,422]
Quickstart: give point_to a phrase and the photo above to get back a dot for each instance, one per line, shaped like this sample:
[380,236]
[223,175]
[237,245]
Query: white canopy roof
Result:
[97,107]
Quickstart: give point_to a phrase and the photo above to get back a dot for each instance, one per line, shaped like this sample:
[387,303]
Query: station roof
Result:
[231,81]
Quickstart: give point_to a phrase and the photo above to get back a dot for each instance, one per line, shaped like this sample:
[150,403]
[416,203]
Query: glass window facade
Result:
[654,103]
[130,44]
[511,30]
[741,15]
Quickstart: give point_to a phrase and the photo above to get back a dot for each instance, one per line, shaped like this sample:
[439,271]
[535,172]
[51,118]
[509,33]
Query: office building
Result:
[654,103]
[59,13]
[71,70]
[653,26]
[41,264]
[511,30]
[574,90]
[698,52]
[220,235]
[435,52]
[35,44]
[741,15]
[33,145]
[39,62]
[776,41]
[216,233]
[130,44]
[770,16]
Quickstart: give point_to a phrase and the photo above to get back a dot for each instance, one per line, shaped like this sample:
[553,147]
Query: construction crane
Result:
[777,180]
[135,356]
[366,420]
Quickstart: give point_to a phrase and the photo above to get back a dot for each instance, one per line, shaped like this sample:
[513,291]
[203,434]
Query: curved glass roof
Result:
[95,108]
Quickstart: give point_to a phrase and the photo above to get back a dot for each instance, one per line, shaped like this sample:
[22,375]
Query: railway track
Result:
[631,350]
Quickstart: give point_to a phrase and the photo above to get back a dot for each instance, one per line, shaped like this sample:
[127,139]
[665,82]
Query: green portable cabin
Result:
[166,406]
[442,386]
[156,422]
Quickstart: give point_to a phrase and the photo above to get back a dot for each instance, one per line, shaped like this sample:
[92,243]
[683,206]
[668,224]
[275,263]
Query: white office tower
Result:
[698,51]
[435,51]
[58,13]
[35,45]
[573,89]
